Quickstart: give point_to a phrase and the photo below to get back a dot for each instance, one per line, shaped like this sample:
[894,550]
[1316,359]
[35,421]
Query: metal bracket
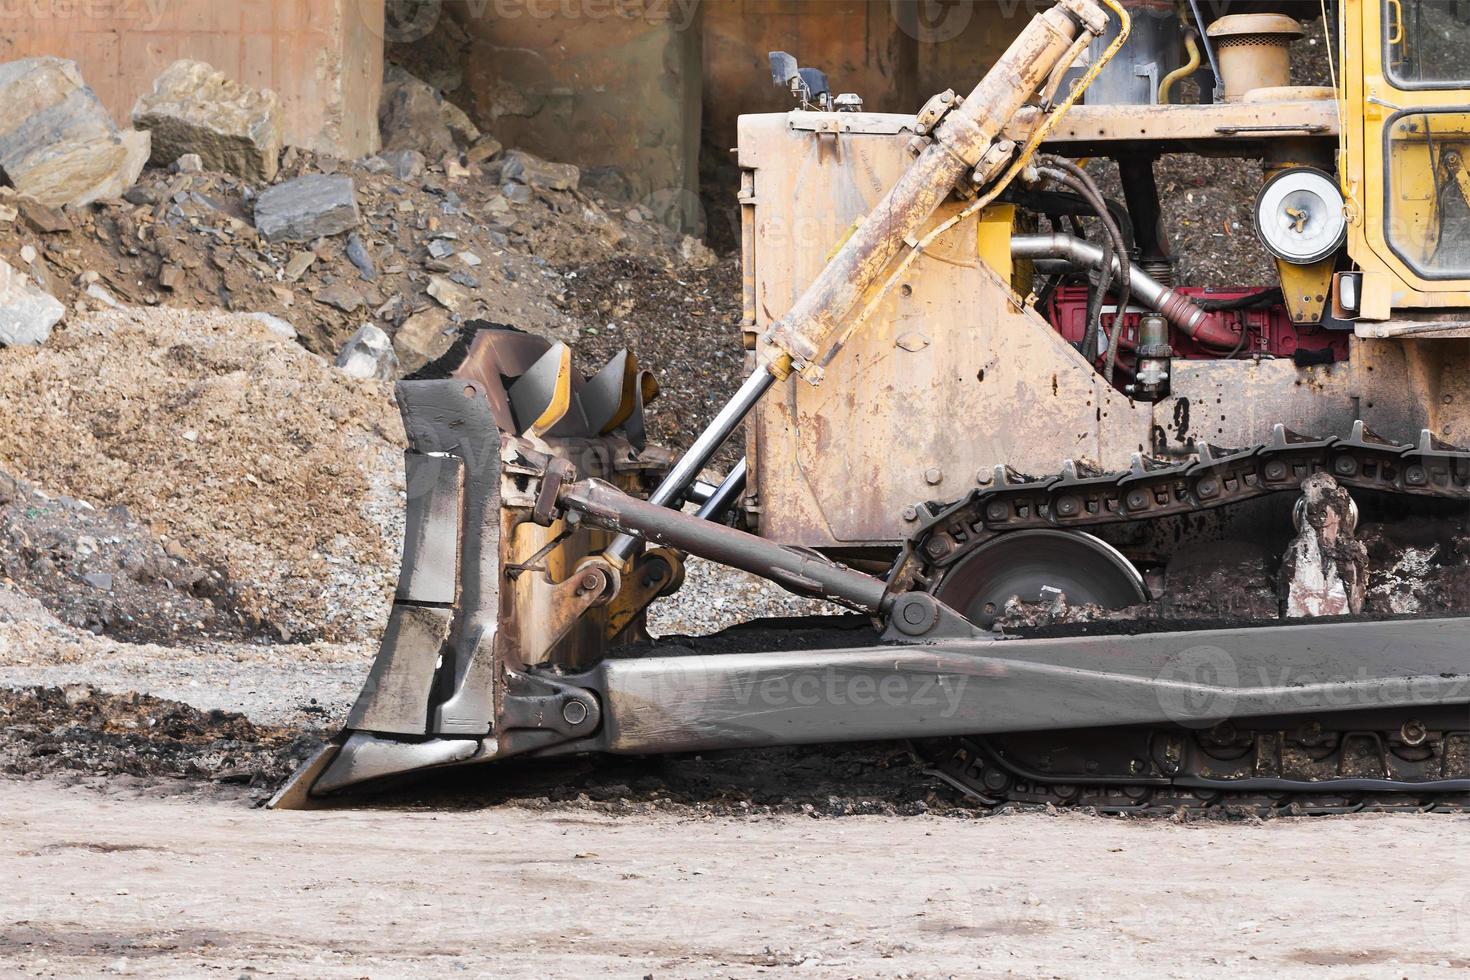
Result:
[655,574]
[538,711]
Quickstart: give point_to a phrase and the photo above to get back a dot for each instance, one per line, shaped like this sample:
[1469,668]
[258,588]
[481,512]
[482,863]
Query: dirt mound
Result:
[242,452]
[46,729]
[100,570]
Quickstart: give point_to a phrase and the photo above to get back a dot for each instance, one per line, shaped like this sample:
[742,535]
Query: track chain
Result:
[1153,489]
[982,772]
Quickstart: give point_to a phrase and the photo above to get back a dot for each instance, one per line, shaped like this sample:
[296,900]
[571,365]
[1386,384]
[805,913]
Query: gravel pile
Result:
[240,453]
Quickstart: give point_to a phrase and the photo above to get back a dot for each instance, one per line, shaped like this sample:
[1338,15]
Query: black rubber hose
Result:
[1099,292]
[1057,203]
[1266,297]
[1078,179]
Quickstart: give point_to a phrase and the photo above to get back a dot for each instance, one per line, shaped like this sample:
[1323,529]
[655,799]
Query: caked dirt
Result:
[78,729]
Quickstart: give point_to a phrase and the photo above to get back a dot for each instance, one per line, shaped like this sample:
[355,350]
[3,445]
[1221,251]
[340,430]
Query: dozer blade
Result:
[485,592]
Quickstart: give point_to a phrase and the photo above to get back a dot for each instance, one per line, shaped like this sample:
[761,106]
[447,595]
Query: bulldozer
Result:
[983,416]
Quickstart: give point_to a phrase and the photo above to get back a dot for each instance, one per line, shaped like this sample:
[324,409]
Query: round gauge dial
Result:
[1299,216]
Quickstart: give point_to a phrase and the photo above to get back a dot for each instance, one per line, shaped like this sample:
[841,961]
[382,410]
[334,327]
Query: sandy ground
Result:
[181,887]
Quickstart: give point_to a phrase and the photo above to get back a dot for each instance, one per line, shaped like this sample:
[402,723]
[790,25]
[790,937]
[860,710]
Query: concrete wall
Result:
[323,57]
[601,83]
[894,53]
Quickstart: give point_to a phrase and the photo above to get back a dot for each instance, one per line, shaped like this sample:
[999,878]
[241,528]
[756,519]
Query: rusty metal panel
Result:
[953,377]
[947,380]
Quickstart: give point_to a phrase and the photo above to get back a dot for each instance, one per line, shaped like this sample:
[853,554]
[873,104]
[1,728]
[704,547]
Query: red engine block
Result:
[1271,332]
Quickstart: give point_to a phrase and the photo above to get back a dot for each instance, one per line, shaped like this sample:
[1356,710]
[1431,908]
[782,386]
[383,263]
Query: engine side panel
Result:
[952,376]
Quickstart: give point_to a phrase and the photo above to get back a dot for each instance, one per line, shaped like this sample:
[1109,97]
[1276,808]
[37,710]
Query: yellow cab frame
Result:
[1397,137]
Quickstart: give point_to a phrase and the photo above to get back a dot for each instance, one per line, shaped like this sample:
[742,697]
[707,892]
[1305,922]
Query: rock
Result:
[27,312]
[470,259]
[524,168]
[609,182]
[368,354]
[411,115]
[8,214]
[463,128]
[57,142]
[697,254]
[516,193]
[40,217]
[307,208]
[195,109]
[10,489]
[447,293]
[1325,569]
[101,581]
[405,164]
[359,256]
[453,169]
[170,277]
[189,163]
[98,292]
[484,149]
[441,248]
[340,295]
[28,254]
[297,265]
[422,338]
[275,325]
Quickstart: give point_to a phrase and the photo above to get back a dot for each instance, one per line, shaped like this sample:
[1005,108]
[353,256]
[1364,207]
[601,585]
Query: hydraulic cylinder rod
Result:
[604,505]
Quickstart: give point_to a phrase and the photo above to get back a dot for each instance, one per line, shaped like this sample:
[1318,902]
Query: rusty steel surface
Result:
[953,377]
[960,136]
[1222,129]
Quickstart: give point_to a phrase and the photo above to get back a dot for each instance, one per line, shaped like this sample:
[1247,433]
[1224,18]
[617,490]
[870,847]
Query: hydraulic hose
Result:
[1078,178]
[1166,87]
[1179,309]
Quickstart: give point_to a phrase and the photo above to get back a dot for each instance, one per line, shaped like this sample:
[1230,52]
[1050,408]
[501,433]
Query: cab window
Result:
[1427,43]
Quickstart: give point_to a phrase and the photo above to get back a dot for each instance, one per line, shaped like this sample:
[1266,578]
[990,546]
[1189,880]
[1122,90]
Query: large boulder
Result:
[411,117]
[27,312]
[307,208]
[57,143]
[195,108]
[426,336]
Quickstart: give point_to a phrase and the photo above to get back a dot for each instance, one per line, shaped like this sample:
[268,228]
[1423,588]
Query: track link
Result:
[1152,489]
[986,773]
[1394,765]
